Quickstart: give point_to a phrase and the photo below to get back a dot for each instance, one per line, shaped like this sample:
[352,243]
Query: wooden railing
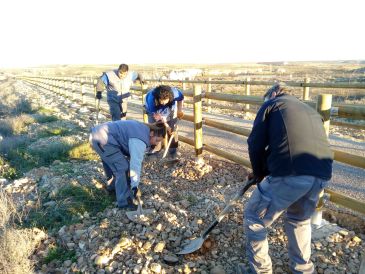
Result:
[68,86]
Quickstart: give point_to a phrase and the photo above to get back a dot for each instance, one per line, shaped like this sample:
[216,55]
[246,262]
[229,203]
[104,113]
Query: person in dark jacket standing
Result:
[117,83]
[121,146]
[288,147]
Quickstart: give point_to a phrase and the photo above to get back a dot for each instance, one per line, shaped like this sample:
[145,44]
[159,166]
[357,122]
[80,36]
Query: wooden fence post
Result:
[248,91]
[83,91]
[73,88]
[198,122]
[209,90]
[144,92]
[306,89]
[324,102]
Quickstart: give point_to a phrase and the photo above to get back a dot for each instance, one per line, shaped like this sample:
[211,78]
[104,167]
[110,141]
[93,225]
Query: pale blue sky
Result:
[40,32]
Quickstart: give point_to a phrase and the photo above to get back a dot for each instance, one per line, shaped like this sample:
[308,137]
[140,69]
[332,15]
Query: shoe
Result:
[243,269]
[130,205]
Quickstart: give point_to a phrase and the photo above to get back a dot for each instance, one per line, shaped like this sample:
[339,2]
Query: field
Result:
[57,217]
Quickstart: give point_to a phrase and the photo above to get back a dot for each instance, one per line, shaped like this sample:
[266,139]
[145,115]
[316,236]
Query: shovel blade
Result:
[191,247]
[137,216]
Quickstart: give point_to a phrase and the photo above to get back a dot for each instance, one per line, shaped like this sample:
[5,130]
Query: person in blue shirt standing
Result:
[117,83]
[290,153]
[165,104]
[121,146]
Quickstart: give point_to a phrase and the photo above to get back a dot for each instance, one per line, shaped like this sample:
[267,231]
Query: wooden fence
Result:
[68,87]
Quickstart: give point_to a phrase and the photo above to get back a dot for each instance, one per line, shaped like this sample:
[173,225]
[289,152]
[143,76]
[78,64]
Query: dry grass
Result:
[16,245]
[15,125]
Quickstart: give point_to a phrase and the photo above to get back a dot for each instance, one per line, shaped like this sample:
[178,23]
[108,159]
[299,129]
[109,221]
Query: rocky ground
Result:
[186,197]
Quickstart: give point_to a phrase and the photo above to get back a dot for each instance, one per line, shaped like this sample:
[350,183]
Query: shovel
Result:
[139,215]
[169,144]
[197,243]
[97,112]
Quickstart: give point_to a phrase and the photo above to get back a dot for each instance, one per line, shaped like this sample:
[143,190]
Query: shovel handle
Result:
[228,207]
[97,111]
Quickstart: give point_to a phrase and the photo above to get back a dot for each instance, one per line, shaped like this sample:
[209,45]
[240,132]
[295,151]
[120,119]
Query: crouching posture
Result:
[164,104]
[121,146]
[288,144]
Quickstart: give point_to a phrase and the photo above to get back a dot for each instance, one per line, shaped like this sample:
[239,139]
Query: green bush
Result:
[15,125]
[41,118]
[83,151]
[22,106]
[60,131]
[71,202]
[60,254]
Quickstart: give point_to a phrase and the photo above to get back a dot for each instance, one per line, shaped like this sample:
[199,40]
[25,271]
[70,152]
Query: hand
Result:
[98,95]
[180,114]
[257,179]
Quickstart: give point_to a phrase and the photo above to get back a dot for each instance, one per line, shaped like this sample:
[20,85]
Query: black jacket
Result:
[288,138]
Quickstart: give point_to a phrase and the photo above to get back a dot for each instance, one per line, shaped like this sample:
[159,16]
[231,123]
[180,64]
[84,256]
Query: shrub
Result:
[60,254]
[16,245]
[22,106]
[71,202]
[83,152]
[40,118]
[15,125]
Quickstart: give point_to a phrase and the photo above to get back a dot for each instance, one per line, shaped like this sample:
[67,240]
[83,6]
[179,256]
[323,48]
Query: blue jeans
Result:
[116,168]
[298,196]
[118,110]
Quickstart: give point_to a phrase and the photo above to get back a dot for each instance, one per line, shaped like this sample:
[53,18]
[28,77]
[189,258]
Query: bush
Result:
[83,152]
[46,154]
[15,125]
[40,118]
[16,245]
[60,254]
[71,202]
[22,106]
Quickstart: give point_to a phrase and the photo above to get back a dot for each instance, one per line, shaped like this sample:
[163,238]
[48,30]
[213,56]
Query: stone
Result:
[159,247]
[171,259]
[155,268]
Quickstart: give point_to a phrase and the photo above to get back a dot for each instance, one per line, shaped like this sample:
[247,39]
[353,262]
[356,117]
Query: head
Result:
[164,95]
[122,71]
[157,133]
[276,90]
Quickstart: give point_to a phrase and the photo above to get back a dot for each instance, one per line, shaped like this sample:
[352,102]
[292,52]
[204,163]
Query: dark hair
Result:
[164,92]
[159,129]
[123,67]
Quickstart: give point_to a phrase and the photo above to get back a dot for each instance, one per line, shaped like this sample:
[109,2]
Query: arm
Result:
[136,151]
[101,85]
[258,141]
[140,78]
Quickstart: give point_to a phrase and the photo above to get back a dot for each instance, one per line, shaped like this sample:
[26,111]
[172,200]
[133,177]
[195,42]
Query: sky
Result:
[48,32]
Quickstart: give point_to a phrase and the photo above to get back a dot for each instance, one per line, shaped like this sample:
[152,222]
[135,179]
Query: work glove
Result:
[180,114]
[257,179]
[98,95]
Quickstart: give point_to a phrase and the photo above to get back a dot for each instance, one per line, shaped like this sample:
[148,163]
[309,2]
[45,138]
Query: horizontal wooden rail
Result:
[351,159]
[345,201]
[267,83]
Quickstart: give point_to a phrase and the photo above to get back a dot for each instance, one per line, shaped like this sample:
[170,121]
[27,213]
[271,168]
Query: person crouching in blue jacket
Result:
[289,146]
[165,104]
[121,146]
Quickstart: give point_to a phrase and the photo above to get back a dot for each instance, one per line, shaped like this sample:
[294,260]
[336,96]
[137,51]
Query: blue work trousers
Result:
[298,196]
[116,168]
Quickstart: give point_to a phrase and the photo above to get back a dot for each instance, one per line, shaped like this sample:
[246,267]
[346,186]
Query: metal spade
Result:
[197,243]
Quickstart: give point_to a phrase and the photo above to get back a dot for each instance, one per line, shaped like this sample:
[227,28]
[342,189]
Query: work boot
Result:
[173,154]
[130,206]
